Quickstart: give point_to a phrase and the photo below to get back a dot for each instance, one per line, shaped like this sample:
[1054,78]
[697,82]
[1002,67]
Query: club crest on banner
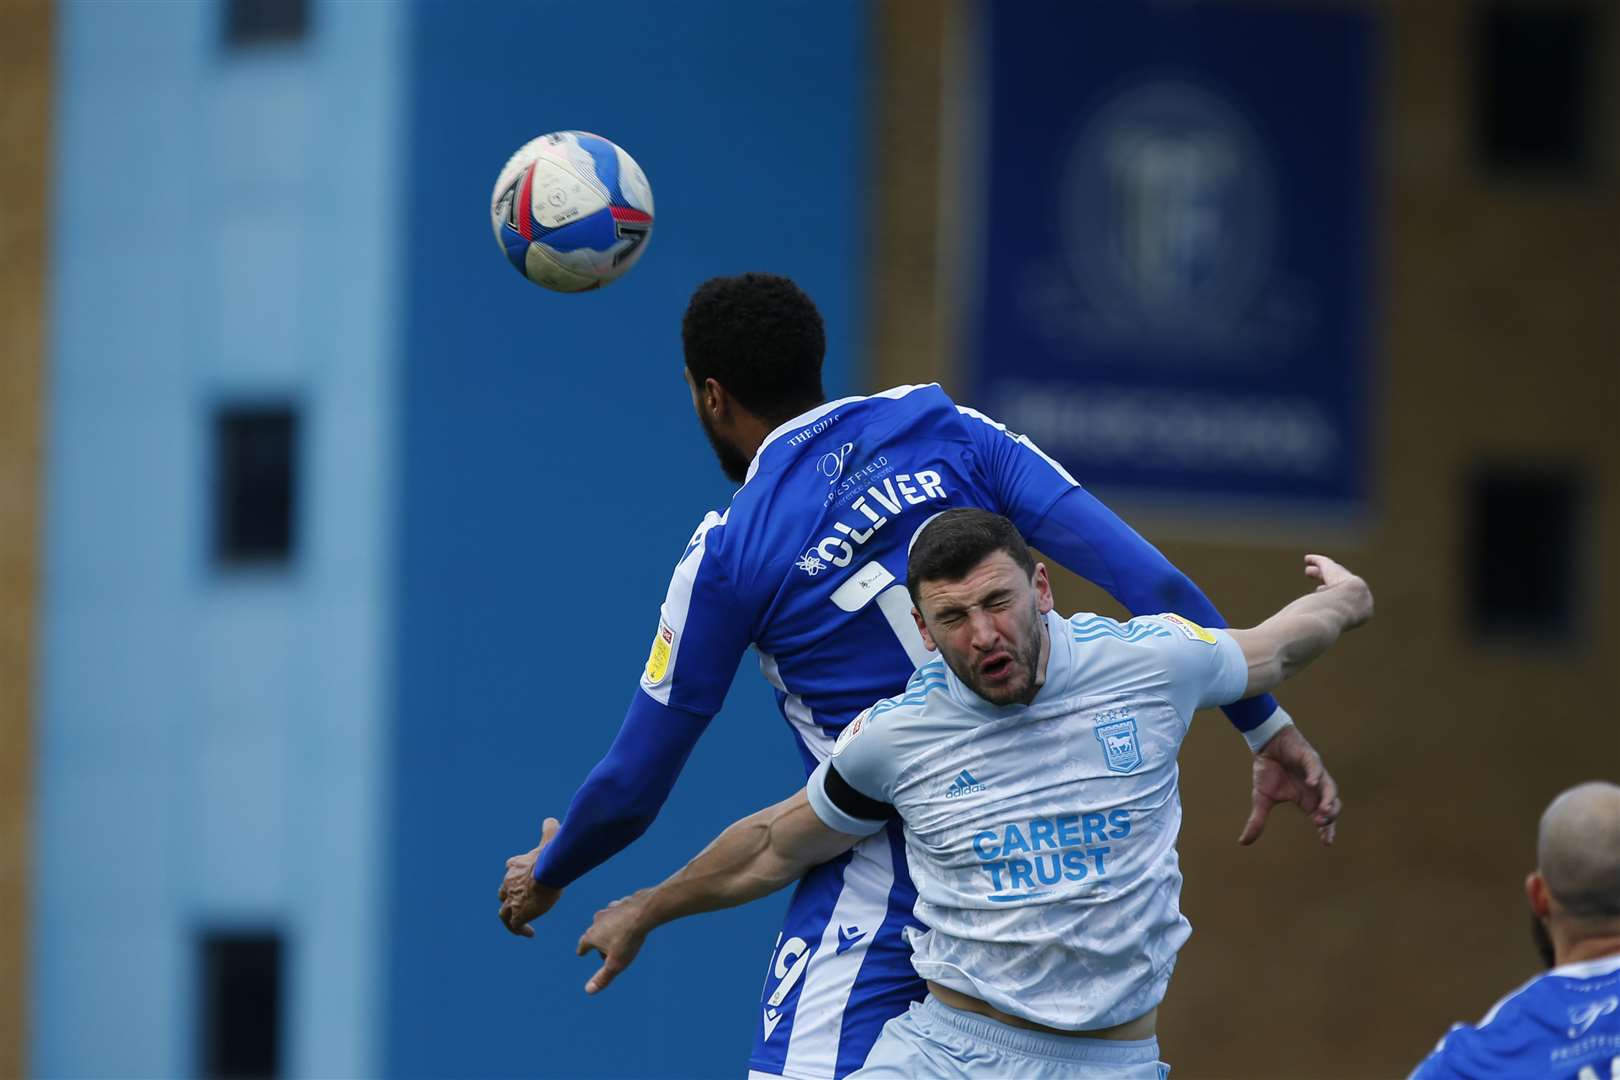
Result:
[1170,209]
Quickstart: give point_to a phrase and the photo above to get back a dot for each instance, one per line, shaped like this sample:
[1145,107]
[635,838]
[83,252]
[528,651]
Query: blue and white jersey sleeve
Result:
[851,791]
[1025,481]
[1200,667]
[704,627]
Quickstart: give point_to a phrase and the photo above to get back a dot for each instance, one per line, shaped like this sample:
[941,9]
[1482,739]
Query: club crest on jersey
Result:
[1121,751]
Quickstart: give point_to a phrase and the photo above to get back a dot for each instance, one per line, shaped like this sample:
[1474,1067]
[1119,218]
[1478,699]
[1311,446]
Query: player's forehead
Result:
[995,573]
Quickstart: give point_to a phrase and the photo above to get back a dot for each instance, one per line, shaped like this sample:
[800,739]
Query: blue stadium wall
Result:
[551,474]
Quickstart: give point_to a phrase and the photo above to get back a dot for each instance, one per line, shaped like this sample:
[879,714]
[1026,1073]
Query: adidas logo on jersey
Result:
[964,784]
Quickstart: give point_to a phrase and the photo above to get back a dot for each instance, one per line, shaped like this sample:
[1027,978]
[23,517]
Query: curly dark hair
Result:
[760,337]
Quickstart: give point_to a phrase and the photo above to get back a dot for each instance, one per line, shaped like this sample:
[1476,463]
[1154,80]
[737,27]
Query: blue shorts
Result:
[935,1040]
[841,968]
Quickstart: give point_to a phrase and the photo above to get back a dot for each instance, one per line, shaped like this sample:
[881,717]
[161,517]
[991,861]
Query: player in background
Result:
[1034,768]
[807,566]
[1564,1024]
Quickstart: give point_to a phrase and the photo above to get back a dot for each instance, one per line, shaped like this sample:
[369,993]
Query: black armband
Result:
[852,802]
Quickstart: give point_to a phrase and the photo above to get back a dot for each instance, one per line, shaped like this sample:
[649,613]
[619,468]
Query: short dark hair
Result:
[956,541]
[760,337]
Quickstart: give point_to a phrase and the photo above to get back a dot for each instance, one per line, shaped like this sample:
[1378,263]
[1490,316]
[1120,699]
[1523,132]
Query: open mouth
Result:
[996,668]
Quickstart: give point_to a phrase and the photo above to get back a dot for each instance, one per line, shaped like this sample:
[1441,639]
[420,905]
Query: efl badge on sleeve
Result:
[1120,749]
[658,659]
[847,736]
[1193,631]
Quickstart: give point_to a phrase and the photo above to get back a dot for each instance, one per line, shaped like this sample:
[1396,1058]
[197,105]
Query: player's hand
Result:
[1358,597]
[524,899]
[1288,769]
[617,933]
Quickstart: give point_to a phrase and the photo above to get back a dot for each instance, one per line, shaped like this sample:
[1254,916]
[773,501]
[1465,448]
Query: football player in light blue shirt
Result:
[806,567]
[1563,1024]
[1033,766]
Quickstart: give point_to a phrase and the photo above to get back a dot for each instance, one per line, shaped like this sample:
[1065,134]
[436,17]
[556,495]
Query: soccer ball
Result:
[572,211]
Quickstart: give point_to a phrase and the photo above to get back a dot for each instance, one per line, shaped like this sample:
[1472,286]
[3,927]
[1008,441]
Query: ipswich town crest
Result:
[1120,749]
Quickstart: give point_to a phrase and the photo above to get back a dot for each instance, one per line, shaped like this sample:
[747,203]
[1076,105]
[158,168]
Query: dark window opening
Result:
[254,22]
[1536,85]
[255,484]
[241,1005]
[1523,540]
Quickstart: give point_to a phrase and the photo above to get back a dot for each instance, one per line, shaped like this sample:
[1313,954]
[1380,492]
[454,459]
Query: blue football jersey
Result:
[1563,1025]
[808,563]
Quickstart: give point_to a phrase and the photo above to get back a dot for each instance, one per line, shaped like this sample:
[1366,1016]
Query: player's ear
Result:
[1535,890]
[715,399]
[922,628]
[1043,589]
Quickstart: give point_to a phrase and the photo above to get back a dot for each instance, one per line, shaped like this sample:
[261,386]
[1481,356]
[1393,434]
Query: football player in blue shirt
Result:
[807,566]
[1564,1024]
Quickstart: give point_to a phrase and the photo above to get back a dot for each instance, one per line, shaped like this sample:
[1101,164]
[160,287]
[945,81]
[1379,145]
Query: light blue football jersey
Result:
[1042,837]
[1561,1025]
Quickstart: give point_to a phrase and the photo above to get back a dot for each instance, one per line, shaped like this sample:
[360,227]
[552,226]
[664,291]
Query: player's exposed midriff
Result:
[1143,1027]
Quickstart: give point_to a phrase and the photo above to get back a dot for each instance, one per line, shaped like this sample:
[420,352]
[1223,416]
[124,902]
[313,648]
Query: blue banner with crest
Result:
[1174,264]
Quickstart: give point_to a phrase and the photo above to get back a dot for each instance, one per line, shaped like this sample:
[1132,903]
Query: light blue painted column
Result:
[211,743]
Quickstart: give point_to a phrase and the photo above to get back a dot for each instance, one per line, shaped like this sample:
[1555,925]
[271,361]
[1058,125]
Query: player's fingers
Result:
[585,944]
[548,829]
[512,918]
[605,974]
[1326,833]
[1328,811]
[1252,828]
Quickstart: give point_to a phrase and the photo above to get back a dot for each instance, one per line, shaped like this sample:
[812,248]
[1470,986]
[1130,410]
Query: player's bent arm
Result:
[752,858]
[1284,644]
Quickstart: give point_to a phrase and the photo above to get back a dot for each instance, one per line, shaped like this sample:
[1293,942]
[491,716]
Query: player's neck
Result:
[1591,948]
[749,431]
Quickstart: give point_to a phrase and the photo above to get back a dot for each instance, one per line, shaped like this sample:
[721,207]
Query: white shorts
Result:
[935,1040]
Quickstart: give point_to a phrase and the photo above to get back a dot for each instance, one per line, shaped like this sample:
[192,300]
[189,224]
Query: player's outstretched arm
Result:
[1279,648]
[752,858]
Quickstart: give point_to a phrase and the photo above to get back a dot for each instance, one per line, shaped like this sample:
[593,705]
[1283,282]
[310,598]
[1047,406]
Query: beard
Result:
[732,463]
[1026,657]
[1543,942]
